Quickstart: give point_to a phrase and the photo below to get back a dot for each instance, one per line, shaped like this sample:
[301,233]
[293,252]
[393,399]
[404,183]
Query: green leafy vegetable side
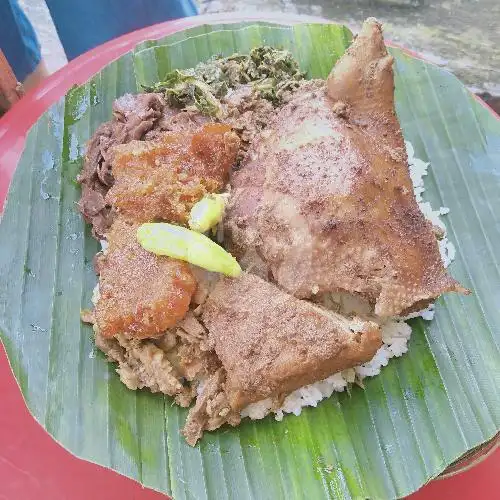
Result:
[272,73]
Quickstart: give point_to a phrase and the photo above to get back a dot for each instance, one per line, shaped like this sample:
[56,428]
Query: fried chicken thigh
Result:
[324,201]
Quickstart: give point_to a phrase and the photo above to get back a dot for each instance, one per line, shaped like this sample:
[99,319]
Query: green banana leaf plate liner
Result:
[423,412]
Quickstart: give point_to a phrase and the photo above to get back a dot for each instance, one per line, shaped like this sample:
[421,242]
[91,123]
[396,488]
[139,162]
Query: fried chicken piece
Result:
[164,178]
[140,294]
[325,203]
[271,343]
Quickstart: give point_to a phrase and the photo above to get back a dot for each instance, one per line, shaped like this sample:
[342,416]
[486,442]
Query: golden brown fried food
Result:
[141,294]
[271,343]
[164,178]
[325,200]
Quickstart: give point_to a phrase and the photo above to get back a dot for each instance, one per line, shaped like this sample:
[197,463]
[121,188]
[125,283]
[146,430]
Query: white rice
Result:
[96,295]
[395,332]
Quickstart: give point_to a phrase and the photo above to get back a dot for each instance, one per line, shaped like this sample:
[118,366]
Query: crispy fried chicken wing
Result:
[164,178]
[325,202]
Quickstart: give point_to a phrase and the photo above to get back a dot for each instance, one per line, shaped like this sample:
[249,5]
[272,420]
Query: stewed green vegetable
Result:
[272,73]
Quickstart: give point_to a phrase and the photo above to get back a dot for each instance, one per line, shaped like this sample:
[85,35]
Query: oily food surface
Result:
[325,197]
[141,294]
[321,201]
[163,179]
[146,117]
[271,343]
[135,117]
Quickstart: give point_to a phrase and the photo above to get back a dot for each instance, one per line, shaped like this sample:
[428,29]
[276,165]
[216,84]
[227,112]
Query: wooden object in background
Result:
[10,88]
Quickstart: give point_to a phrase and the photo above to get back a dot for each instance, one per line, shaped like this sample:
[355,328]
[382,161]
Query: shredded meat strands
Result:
[165,364]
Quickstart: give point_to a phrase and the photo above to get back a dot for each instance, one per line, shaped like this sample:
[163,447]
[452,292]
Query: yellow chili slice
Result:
[207,213]
[181,243]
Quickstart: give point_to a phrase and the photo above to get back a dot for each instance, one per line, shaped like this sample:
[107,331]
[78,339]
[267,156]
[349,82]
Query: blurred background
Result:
[462,36]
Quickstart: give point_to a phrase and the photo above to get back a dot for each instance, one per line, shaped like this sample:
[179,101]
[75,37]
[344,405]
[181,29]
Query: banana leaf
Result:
[420,414]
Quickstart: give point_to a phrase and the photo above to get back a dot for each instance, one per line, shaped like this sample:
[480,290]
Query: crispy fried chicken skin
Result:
[164,178]
[141,294]
[271,343]
[325,203]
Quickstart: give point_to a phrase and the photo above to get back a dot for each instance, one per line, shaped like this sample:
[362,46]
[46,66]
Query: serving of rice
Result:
[395,332]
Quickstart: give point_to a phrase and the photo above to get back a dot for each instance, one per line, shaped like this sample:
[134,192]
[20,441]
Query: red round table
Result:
[32,464]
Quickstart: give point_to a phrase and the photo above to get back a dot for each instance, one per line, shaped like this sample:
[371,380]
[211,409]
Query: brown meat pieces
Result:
[133,117]
[172,364]
[141,294]
[211,410]
[271,343]
[163,179]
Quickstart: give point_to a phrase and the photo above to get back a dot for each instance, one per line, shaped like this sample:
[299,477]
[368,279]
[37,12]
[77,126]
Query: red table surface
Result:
[32,464]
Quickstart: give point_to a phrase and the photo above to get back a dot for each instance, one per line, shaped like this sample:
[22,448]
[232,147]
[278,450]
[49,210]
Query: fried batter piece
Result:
[164,178]
[324,202]
[271,343]
[141,294]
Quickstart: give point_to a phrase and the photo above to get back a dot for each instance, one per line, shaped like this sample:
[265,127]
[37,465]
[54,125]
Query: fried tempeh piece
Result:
[141,294]
[164,178]
[271,343]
